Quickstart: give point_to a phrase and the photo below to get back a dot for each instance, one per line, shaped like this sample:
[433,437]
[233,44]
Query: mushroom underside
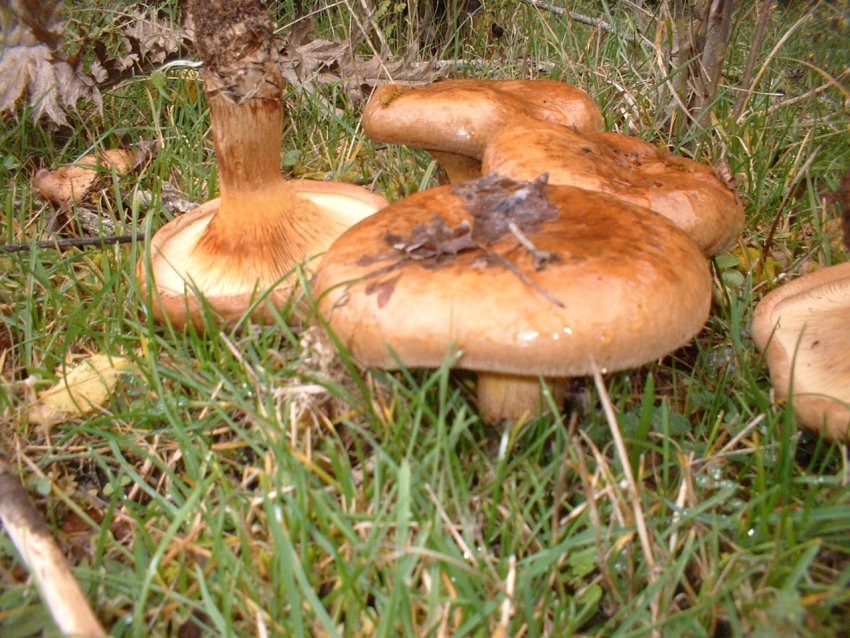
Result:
[240,265]
[804,330]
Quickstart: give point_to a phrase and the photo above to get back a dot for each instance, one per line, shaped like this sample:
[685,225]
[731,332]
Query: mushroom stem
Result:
[255,230]
[247,138]
[251,232]
[234,250]
[458,168]
[513,397]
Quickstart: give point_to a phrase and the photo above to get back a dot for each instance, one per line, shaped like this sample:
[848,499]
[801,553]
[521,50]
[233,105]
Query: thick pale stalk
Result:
[513,397]
[458,168]
[247,140]
[232,252]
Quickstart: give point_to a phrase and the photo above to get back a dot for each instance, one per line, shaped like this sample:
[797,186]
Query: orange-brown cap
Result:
[685,191]
[406,283]
[803,328]
[460,116]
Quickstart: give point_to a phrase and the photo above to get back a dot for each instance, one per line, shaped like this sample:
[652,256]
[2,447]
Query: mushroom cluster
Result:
[524,128]
[230,251]
[555,249]
[686,192]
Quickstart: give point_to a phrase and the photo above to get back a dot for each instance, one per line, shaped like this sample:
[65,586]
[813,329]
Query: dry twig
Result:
[61,593]
[581,18]
[73,242]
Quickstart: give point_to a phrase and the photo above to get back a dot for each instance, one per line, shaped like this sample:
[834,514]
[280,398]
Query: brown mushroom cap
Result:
[458,117]
[685,191]
[803,328]
[231,277]
[606,296]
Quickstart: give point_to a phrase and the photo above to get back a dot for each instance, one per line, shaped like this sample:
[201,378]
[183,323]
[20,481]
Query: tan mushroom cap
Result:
[803,328]
[623,302]
[683,190]
[232,277]
[454,119]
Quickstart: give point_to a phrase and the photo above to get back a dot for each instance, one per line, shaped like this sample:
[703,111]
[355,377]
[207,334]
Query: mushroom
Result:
[230,251]
[803,329]
[453,120]
[687,192]
[516,281]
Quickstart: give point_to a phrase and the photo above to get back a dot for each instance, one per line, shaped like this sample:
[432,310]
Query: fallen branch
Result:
[59,589]
[577,17]
[74,242]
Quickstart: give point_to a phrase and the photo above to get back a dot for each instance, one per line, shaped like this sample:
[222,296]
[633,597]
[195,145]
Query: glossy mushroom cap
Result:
[454,119]
[803,328]
[405,285]
[246,264]
[685,191]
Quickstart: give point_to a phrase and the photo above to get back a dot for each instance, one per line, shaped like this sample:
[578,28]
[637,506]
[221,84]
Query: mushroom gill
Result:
[804,330]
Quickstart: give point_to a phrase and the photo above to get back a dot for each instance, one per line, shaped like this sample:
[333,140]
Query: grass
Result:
[256,481]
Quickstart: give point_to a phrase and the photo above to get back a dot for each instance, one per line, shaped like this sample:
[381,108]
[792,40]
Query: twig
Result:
[541,257]
[779,216]
[577,17]
[478,64]
[764,9]
[791,101]
[74,242]
[59,589]
[522,276]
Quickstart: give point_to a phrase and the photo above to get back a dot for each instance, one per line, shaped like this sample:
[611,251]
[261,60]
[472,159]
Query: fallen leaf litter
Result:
[499,207]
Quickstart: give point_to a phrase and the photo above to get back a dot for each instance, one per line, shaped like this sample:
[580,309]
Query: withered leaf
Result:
[84,387]
[32,67]
[152,39]
[433,241]
[495,202]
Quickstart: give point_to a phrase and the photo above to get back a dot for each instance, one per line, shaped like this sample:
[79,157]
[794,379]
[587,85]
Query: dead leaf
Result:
[498,202]
[31,66]
[432,242]
[84,388]
[151,39]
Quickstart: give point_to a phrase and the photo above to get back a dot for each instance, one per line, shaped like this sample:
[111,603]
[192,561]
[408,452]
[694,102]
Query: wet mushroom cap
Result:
[683,190]
[458,117]
[803,328]
[623,302]
[320,212]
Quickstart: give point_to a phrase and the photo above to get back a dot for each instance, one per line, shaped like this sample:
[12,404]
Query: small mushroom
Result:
[453,120]
[515,281]
[803,329]
[683,190]
[231,251]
